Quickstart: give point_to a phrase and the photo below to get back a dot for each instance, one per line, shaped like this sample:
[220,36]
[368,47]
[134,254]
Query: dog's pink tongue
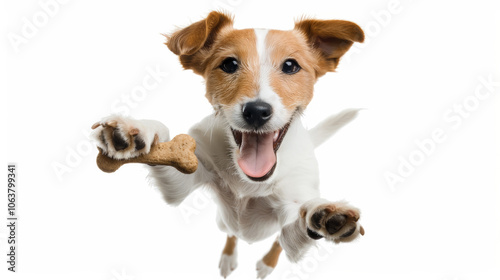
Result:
[257,156]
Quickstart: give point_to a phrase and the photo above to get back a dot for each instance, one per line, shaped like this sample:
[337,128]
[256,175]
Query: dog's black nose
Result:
[257,113]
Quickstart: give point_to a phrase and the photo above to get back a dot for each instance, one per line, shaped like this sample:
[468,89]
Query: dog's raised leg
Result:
[228,259]
[267,264]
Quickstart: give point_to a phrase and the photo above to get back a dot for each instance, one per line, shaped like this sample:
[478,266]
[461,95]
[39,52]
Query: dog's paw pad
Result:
[333,221]
[122,138]
[119,142]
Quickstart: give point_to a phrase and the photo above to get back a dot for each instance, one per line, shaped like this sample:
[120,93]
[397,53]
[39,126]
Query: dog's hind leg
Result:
[267,264]
[228,260]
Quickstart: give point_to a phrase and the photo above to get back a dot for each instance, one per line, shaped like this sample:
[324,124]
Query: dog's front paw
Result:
[335,221]
[123,138]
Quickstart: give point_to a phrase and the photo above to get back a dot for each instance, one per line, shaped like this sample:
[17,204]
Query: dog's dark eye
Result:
[229,65]
[290,66]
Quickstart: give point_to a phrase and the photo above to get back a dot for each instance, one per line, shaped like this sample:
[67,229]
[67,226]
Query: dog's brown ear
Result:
[188,42]
[331,38]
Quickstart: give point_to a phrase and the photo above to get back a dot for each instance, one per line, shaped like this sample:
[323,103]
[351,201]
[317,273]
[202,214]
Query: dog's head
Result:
[258,80]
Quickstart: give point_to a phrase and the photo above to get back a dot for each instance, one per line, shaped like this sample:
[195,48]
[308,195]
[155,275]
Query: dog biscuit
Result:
[178,153]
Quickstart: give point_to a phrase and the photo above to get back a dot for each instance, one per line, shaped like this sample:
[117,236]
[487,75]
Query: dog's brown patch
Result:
[228,89]
[230,245]
[295,90]
[329,39]
[193,42]
[271,258]
[316,45]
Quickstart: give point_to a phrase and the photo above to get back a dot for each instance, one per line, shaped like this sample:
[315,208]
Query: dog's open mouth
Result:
[257,157]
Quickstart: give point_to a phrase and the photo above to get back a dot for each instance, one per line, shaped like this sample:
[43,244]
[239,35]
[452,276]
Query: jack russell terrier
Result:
[255,155]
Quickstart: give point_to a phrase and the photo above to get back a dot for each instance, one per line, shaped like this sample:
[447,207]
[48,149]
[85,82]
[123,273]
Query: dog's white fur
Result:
[249,210]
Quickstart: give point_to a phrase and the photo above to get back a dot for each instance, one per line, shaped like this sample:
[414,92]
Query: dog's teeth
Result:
[276,134]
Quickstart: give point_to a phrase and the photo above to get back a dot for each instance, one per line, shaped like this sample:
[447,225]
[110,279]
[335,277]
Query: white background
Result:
[76,222]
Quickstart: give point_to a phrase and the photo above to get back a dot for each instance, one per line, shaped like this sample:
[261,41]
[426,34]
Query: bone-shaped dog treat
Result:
[179,153]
